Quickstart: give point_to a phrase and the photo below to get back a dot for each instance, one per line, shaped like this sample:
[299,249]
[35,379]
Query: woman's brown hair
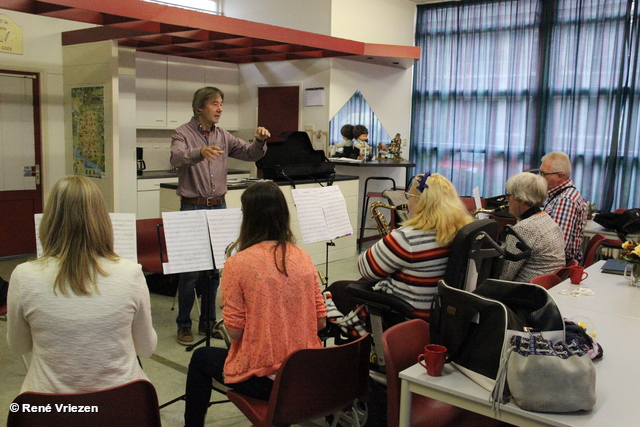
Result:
[76,231]
[266,218]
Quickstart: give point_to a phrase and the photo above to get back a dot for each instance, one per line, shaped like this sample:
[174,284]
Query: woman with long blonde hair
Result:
[409,261]
[83,311]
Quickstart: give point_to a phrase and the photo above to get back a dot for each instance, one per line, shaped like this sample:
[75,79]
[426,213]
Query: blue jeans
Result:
[187,283]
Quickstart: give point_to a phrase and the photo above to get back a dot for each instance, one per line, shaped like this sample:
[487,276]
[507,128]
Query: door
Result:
[278,109]
[20,159]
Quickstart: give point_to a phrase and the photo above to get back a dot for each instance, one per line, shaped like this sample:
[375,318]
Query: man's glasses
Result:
[543,174]
[409,195]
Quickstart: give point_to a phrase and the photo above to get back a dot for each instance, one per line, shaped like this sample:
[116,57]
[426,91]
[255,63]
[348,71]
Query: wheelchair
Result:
[477,253]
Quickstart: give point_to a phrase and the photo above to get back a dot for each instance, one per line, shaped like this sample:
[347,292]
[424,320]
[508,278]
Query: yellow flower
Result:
[636,251]
[628,245]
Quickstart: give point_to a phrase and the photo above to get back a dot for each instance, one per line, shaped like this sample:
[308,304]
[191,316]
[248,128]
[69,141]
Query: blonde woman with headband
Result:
[82,311]
[410,260]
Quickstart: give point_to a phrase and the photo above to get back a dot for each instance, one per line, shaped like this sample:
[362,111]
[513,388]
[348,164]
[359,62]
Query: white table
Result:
[615,312]
[613,295]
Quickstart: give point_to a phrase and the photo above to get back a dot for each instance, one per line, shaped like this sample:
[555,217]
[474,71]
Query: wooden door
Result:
[20,160]
[278,109]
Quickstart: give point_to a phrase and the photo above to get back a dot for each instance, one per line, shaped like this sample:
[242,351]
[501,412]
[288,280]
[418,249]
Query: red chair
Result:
[312,384]
[402,343]
[547,281]
[132,404]
[595,244]
[152,249]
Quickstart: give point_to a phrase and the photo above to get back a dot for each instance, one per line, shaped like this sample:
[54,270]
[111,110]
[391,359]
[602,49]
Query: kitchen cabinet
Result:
[149,196]
[225,77]
[165,87]
[184,77]
[151,90]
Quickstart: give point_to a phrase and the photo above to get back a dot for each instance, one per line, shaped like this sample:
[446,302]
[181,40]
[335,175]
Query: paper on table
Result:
[124,235]
[322,213]
[188,245]
[224,228]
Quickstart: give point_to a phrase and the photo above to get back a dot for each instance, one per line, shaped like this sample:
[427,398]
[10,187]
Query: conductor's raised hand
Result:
[211,152]
[261,134]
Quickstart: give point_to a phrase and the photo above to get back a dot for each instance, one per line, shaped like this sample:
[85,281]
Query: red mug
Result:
[433,359]
[577,274]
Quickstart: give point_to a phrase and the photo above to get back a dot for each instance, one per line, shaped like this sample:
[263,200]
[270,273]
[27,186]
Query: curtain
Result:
[358,112]
[501,83]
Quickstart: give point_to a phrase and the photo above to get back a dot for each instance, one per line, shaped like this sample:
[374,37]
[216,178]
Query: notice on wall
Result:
[10,36]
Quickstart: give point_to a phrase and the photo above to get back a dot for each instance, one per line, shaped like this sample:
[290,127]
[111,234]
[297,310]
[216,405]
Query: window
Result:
[500,83]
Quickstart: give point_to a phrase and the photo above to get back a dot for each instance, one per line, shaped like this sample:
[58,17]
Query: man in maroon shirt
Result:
[200,149]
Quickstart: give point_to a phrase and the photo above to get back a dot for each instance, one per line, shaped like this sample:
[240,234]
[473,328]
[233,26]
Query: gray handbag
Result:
[542,377]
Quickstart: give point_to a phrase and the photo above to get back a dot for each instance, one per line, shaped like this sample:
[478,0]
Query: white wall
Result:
[374,21]
[304,15]
[370,21]
[42,53]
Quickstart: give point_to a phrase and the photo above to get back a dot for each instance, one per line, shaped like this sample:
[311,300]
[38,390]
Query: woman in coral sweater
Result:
[272,306]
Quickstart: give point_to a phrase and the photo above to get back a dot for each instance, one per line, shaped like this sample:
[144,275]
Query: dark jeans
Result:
[207,363]
[187,283]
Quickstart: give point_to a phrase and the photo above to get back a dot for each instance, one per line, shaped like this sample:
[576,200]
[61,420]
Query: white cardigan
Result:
[80,343]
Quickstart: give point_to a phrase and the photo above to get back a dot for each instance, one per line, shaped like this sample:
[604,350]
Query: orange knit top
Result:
[277,314]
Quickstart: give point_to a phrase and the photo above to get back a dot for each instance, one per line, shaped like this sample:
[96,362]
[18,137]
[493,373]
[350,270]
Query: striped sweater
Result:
[407,263]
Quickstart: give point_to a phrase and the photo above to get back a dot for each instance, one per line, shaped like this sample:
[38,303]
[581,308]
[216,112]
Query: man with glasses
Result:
[564,203]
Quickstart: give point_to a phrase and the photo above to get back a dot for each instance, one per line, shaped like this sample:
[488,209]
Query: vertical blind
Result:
[501,83]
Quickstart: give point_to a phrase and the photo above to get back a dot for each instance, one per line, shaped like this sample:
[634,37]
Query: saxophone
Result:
[381,221]
[475,212]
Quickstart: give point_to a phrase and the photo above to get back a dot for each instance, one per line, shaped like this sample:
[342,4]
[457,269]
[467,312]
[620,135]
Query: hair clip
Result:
[422,181]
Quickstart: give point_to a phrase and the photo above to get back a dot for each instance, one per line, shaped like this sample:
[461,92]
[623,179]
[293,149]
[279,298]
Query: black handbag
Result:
[476,326]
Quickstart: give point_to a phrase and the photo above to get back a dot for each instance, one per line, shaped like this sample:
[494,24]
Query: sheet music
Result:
[188,245]
[335,212]
[224,228]
[124,235]
[476,198]
[322,213]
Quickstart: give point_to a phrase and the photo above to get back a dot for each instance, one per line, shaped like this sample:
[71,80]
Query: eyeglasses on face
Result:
[544,174]
[409,195]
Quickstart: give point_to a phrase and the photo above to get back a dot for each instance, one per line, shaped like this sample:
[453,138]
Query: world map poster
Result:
[88,131]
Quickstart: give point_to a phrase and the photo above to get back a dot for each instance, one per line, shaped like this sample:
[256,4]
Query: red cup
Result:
[577,274]
[433,359]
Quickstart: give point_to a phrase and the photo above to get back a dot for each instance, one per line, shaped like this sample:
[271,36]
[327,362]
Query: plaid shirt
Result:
[567,207]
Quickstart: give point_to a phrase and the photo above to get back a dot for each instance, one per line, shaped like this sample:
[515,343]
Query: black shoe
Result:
[213,333]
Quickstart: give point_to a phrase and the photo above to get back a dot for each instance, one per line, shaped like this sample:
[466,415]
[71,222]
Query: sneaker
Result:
[184,335]
[214,333]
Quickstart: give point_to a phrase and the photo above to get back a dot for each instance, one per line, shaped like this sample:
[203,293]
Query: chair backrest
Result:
[314,383]
[132,404]
[468,265]
[547,281]
[402,343]
[592,248]
[152,250]
[573,262]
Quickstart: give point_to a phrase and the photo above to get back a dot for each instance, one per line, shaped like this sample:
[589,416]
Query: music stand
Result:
[206,294]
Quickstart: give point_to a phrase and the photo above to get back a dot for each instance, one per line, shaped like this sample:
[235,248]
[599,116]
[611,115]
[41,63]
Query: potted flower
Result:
[630,253]
[592,210]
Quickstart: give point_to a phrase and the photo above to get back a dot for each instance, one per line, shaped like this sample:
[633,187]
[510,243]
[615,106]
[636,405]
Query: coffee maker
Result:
[140,161]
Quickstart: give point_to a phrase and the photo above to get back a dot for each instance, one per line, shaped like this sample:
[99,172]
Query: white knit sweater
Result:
[80,343]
